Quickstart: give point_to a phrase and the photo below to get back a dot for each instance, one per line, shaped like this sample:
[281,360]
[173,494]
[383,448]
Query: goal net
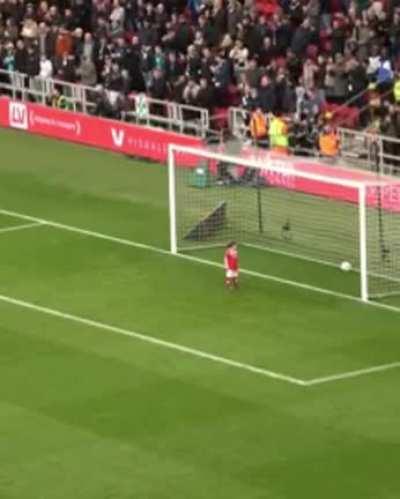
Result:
[288,206]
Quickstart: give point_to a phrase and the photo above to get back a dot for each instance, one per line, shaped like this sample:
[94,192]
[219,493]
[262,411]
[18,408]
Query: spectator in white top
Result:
[374,61]
[88,46]
[46,68]
[239,55]
[118,13]
[310,69]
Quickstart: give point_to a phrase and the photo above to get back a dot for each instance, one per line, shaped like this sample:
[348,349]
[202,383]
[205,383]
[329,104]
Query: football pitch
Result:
[129,373]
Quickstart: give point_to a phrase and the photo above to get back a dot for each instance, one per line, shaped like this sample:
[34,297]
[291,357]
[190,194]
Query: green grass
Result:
[89,414]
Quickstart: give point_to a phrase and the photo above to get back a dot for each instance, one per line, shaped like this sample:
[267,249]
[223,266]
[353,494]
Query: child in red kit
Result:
[231,264]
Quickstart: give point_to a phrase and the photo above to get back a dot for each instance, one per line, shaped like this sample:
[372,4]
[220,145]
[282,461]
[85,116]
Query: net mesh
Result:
[276,218]
[287,214]
[383,241]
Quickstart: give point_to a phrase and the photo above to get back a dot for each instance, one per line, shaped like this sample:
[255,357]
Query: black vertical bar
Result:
[381,227]
[259,206]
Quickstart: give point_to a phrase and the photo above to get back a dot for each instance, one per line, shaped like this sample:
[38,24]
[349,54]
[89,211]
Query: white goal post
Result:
[288,206]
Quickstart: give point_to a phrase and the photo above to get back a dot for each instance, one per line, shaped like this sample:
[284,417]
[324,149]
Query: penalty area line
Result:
[352,374]
[14,228]
[194,352]
[173,346]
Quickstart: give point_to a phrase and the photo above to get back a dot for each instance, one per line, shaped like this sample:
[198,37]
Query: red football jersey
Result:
[231,259]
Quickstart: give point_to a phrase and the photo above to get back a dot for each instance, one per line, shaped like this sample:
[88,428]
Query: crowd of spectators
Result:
[280,56]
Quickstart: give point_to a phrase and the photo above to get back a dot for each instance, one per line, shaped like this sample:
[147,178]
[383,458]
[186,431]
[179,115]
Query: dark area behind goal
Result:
[209,225]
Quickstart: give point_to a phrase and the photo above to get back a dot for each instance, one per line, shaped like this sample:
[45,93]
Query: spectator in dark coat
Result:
[251,37]
[252,73]
[283,36]
[193,62]
[114,80]
[222,77]
[302,38]
[358,81]
[234,16]
[146,61]
[219,18]
[207,63]
[250,100]
[20,57]
[262,31]
[267,52]
[209,32]
[148,34]
[65,67]
[338,37]
[267,95]
[206,95]
[178,88]
[158,85]
[183,35]
[134,67]
[288,103]
[174,68]
[32,67]
[294,65]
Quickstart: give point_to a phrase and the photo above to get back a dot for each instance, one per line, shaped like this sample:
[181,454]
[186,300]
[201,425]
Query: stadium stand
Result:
[316,62]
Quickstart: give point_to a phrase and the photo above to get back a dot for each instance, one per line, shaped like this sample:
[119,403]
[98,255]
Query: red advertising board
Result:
[385,194]
[117,136]
[151,143]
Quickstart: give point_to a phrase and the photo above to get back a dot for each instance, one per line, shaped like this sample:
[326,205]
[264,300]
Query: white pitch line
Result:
[86,232]
[352,374]
[291,255]
[155,249]
[194,352]
[150,339]
[20,227]
[306,287]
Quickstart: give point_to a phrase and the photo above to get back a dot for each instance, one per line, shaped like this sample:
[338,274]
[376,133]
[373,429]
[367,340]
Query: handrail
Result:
[348,103]
[365,107]
[371,151]
[183,118]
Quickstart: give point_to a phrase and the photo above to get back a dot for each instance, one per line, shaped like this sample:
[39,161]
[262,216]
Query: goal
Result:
[288,207]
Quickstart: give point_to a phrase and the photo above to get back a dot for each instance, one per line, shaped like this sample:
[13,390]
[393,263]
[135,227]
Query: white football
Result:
[345,266]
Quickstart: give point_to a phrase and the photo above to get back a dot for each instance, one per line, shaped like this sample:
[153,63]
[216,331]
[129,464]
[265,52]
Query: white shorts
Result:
[232,274]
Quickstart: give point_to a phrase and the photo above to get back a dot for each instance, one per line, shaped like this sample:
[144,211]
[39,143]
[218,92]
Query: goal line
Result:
[202,261]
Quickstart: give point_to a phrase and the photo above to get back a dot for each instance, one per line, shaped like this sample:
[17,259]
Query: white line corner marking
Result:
[14,228]
[181,348]
[194,352]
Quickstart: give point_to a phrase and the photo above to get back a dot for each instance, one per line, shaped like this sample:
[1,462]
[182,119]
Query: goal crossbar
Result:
[275,165]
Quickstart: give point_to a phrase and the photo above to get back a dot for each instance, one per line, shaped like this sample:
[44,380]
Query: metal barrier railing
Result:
[239,122]
[370,151]
[364,149]
[151,112]
[141,109]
